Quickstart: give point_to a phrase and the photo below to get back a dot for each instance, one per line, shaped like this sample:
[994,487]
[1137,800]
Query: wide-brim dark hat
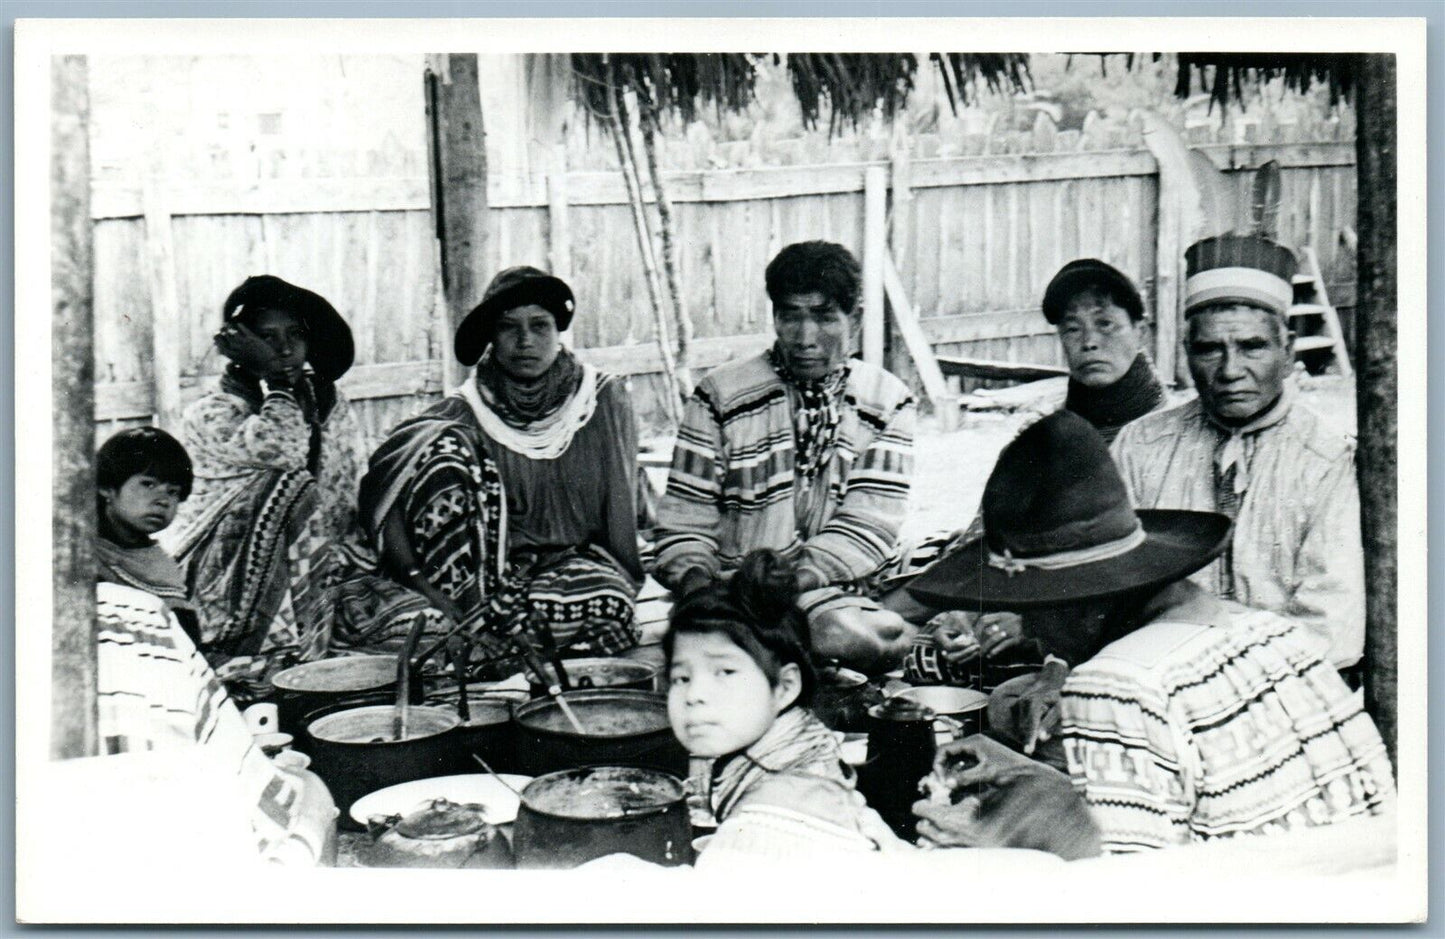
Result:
[329,346]
[1090,272]
[1176,544]
[511,288]
[1059,529]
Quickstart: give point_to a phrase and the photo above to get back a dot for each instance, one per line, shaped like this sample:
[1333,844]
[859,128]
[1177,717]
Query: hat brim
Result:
[475,332]
[330,347]
[1176,544]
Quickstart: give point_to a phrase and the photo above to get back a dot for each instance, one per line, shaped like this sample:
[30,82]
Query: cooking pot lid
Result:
[346,673]
[900,709]
[442,818]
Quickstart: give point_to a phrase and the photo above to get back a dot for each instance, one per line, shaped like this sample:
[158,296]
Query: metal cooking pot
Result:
[487,730]
[623,727]
[842,699]
[603,673]
[439,833]
[355,753]
[572,817]
[963,705]
[304,689]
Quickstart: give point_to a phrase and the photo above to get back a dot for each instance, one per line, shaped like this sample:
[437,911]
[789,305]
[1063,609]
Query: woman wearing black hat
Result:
[514,497]
[277,454]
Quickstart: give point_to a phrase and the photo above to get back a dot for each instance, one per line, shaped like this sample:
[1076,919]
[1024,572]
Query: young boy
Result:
[142,477]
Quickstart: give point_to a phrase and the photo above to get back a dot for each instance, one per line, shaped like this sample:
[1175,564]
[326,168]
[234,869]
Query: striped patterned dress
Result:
[733,487]
[1183,732]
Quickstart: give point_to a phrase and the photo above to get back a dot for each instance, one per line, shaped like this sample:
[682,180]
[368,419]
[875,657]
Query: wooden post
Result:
[875,243]
[1377,385]
[460,191]
[559,231]
[165,309]
[73,654]
[1168,283]
[900,247]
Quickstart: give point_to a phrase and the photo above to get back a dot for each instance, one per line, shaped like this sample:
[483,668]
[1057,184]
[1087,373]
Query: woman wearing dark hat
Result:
[1184,718]
[277,454]
[513,497]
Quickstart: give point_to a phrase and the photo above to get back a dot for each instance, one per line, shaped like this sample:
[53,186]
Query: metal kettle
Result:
[439,834]
[901,746]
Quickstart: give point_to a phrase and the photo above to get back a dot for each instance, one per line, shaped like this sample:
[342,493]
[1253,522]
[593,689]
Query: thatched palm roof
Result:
[848,87]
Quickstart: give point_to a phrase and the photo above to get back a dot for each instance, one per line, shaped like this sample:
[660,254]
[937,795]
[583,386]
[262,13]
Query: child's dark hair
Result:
[756,609]
[823,266]
[147,450]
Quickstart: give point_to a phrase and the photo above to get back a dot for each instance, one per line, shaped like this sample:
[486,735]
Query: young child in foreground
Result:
[740,682]
[142,477]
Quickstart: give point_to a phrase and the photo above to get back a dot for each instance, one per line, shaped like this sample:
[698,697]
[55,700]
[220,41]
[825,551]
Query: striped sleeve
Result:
[862,535]
[690,515]
[1128,759]
[156,692]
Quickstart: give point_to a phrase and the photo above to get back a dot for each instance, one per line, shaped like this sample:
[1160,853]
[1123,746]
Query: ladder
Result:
[1319,340]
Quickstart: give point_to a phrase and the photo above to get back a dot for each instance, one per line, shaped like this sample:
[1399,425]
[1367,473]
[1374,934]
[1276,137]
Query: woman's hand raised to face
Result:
[252,353]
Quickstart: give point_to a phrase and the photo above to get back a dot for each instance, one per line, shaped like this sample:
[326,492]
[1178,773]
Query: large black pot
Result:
[313,686]
[623,728]
[487,730]
[572,817]
[355,753]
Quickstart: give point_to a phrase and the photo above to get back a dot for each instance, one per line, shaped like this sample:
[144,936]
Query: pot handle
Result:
[955,728]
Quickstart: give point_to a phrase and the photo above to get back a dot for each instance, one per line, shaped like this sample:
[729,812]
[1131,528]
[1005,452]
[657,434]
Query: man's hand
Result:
[998,632]
[1010,802]
[861,635]
[1032,704]
[953,634]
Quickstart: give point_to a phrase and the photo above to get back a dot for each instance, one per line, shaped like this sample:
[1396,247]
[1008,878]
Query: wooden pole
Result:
[896,351]
[875,245]
[73,654]
[668,225]
[1376,386]
[165,308]
[559,227]
[460,194]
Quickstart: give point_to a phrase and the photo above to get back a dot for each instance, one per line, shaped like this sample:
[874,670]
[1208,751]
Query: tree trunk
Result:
[1376,382]
[459,191]
[669,248]
[618,126]
[73,653]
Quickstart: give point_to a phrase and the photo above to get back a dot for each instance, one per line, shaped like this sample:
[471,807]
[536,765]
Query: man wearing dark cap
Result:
[1099,316]
[1247,448]
[1185,718]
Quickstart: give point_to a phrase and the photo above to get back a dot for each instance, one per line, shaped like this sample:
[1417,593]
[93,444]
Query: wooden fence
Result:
[975,240]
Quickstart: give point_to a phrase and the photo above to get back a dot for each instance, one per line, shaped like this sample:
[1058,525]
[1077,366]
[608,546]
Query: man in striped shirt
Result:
[804,450]
[1185,717]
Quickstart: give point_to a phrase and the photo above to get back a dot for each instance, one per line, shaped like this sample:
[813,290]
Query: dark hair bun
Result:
[765,585]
